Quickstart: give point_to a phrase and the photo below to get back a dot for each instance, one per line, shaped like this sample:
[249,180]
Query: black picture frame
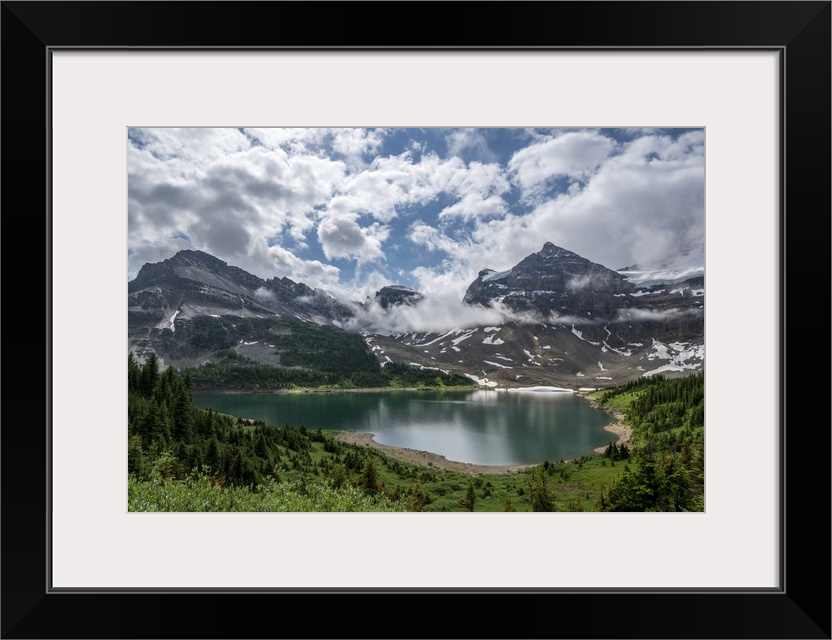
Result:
[800,31]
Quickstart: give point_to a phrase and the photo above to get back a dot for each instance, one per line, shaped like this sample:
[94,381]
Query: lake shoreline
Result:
[618,428]
[435,460]
[426,458]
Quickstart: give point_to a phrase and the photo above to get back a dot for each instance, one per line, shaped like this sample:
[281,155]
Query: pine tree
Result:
[149,375]
[369,478]
[470,498]
[213,457]
[183,420]
[417,497]
[133,373]
[540,496]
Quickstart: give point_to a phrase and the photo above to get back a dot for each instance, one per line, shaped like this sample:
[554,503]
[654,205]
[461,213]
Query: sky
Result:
[351,210]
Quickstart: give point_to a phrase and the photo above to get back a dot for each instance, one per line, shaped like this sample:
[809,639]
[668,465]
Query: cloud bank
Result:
[349,210]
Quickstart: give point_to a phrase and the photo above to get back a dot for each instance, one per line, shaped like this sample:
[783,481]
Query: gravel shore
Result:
[428,459]
[618,427]
[425,458]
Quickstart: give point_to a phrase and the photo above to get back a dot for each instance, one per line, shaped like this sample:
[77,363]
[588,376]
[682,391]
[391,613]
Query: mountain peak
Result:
[193,283]
[551,250]
[392,295]
[548,280]
[195,255]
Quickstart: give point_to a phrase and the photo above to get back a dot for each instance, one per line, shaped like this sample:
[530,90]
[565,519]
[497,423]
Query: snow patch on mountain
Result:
[483,382]
[622,352]
[465,336]
[663,276]
[580,334]
[496,275]
[423,367]
[173,320]
[680,356]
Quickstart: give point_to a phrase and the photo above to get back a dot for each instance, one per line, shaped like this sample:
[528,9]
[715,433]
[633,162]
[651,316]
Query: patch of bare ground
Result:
[426,458]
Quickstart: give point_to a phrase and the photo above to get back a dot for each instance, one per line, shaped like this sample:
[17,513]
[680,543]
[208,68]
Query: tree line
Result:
[667,469]
[302,368]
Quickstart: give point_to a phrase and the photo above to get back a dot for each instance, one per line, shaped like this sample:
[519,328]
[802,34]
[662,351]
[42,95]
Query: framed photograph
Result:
[388,290]
[85,82]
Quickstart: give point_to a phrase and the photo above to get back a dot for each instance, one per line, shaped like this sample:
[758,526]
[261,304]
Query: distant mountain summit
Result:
[194,283]
[555,318]
[552,279]
[569,322]
[394,295]
[558,282]
[191,267]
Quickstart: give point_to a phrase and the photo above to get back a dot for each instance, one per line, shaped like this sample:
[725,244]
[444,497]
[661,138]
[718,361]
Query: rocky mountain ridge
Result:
[194,283]
[393,295]
[567,321]
[549,280]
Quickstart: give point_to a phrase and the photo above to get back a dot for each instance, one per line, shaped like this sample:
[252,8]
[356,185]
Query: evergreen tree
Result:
[417,497]
[213,458]
[133,373]
[470,498]
[369,478]
[135,457]
[149,375]
[539,495]
[183,419]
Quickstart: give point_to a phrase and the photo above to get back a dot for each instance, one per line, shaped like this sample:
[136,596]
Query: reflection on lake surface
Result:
[480,427]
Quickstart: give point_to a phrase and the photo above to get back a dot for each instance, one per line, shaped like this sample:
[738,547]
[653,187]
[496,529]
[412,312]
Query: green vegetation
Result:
[310,357]
[182,458]
[239,372]
[668,421]
[200,492]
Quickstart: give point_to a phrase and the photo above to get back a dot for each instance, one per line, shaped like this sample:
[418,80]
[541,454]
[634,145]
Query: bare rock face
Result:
[194,283]
[571,323]
[557,282]
[563,320]
[396,294]
[186,306]
[552,280]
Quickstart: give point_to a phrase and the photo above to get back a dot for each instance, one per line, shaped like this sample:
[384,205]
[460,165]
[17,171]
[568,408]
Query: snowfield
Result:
[678,355]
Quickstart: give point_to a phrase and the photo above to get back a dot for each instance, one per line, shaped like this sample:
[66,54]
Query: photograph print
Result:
[437,320]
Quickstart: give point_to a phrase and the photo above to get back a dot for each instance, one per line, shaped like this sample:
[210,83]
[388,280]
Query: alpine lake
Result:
[488,427]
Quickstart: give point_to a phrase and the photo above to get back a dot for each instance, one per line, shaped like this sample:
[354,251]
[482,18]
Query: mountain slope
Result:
[194,283]
[564,320]
[568,322]
[214,306]
[552,279]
